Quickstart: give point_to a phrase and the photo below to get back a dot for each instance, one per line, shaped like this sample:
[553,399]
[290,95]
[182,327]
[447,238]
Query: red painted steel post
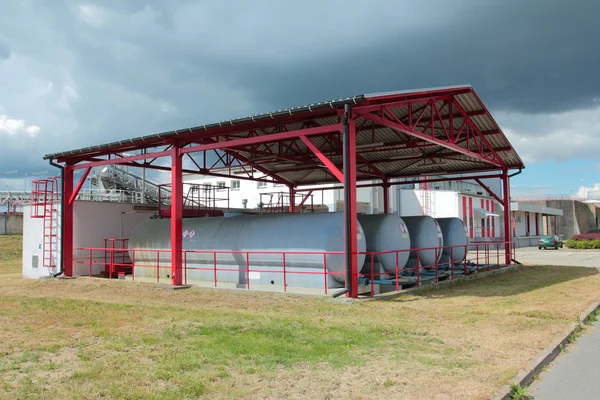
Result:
[112,264]
[185,267]
[90,273]
[507,230]
[351,226]
[132,265]
[325,271]
[67,221]
[176,214]
[157,266]
[248,270]
[436,265]
[372,274]
[284,274]
[397,272]
[386,198]
[418,267]
[452,262]
[215,268]
[292,199]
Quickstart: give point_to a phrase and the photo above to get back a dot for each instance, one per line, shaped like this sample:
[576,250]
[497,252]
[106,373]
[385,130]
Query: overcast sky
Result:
[77,73]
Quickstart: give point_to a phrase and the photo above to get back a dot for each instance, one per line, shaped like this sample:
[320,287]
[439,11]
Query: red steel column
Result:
[292,199]
[176,215]
[67,221]
[351,230]
[386,197]
[507,220]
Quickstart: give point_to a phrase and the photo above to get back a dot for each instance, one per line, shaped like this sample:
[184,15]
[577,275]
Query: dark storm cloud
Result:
[94,71]
[534,56]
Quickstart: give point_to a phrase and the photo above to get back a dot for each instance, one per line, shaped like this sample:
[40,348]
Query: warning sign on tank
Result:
[185,233]
[404,231]
[192,233]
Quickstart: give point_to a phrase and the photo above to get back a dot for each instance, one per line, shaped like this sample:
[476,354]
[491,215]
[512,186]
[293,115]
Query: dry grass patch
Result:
[10,254]
[93,338]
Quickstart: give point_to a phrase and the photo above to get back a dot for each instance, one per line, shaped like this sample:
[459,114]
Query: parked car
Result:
[550,241]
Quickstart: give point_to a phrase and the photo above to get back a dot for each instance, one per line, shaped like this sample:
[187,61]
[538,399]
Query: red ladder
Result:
[44,196]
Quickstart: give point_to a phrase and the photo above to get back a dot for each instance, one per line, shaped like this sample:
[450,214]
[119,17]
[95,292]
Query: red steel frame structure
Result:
[379,137]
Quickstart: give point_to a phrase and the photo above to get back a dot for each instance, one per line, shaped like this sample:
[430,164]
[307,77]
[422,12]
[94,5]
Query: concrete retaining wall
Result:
[11,224]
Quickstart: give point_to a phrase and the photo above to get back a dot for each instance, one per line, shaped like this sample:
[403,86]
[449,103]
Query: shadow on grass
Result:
[511,283]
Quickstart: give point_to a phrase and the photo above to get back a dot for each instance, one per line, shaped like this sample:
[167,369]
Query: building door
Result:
[527,225]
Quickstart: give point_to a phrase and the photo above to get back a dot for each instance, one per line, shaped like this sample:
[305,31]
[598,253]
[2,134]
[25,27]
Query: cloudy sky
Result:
[76,73]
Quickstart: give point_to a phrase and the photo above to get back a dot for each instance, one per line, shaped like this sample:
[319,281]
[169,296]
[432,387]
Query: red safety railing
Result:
[115,259]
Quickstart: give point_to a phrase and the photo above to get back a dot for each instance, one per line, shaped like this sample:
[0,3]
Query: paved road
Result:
[580,258]
[575,374]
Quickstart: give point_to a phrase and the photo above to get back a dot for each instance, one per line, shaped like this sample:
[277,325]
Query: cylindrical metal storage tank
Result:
[386,232]
[454,233]
[425,233]
[272,234]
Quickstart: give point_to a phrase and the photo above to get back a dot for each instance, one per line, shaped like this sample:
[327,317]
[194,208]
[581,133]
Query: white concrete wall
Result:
[92,223]
[520,224]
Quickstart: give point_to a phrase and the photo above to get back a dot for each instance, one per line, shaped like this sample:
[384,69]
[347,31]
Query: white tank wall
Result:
[271,234]
[92,222]
[443,203]
[385,232]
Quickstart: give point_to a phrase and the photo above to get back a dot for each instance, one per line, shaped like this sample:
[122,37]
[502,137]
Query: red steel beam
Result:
[292,199]
[202,172]
[115,161]
[67,222]
[331,166]
[386,198]
[506,205]
[176,216]
[476,129]
[447,179]
[351,230]
[422,136]
[304,199]
[79,185]
[265,139]
[487,189]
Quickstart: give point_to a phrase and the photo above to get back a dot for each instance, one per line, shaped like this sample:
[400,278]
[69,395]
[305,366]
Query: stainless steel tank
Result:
[425,233]
[453,230]
[386,232]
[273,234]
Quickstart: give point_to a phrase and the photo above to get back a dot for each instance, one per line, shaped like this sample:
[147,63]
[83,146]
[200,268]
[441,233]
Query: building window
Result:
[221,185]
[235,185]
[277,184]
[261,185]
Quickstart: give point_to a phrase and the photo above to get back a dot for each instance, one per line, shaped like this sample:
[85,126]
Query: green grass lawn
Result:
[93,338]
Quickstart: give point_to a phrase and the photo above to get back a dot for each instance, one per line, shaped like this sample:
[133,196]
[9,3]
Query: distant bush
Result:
[580,244]
[586,236]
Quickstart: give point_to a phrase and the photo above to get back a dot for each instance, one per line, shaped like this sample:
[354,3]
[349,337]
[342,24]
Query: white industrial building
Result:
[480,212]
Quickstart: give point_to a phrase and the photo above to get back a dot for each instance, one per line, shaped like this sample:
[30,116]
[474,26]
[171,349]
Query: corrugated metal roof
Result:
[383,147]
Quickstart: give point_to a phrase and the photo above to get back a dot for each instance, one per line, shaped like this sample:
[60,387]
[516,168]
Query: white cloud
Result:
[589,192]
[92,15]
[552,137]
[13,126]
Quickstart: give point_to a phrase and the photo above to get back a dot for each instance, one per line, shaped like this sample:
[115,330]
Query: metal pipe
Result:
[516,173]
[347,198]
[341,292]
[62,215]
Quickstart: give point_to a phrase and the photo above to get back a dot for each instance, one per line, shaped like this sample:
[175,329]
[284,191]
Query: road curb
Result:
[526,377]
